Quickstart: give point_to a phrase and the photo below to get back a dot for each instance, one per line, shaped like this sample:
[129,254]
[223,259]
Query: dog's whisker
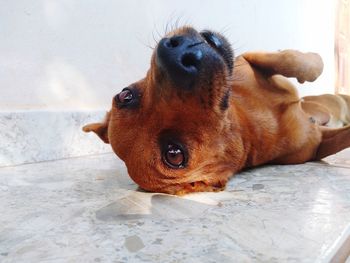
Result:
[237,50]
[169,23]
[150,47]
[158,33]
[225,29]
[154,39]
[166,28]
[177,23]
[188,22]
[145,44]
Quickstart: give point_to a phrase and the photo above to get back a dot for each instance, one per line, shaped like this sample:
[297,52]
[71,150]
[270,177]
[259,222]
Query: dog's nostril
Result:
[174,42]
[211,39]
[191,59]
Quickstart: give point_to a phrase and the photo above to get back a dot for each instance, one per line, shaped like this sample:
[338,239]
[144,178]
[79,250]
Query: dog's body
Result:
[199,116]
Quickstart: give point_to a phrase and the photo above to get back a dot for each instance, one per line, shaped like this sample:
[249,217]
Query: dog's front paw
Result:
[306,66]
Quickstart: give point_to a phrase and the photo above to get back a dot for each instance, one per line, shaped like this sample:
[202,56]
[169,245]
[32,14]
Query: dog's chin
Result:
[174,186]
[186,188]
[200,186]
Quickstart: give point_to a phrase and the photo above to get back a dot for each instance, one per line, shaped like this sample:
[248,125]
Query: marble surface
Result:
[41,135]
[88,210]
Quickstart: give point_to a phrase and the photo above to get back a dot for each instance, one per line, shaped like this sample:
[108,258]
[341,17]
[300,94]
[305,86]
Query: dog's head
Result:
[175,128]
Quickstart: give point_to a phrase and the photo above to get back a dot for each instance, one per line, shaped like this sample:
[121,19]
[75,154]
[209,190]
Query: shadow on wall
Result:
[67,84]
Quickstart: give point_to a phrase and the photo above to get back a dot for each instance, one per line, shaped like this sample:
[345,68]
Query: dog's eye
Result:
[127,98]
[174,156]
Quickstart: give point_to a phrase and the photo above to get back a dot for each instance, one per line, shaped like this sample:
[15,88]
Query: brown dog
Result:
[200,115]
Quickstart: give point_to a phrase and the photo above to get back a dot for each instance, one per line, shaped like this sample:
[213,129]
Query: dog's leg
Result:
[333,141]
[289,63]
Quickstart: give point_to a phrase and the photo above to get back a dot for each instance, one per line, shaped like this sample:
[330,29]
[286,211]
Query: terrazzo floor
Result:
[88,210]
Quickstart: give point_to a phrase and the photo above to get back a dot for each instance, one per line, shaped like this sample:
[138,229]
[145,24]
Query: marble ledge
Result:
[29,136]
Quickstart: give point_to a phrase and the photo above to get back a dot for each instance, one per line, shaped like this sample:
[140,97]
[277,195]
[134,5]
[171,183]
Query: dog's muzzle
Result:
[194,58]
[181,58]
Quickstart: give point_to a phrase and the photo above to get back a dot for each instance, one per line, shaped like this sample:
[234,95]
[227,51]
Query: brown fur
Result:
[264,123]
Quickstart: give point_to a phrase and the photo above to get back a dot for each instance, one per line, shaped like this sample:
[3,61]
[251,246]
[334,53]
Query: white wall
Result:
[60,54]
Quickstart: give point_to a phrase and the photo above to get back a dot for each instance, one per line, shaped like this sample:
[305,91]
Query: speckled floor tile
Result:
[88,210]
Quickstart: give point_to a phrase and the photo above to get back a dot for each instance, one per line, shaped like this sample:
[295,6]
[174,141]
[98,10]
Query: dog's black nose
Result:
[180,57]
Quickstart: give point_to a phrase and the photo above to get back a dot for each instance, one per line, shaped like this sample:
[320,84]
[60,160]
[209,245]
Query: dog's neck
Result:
[260,142]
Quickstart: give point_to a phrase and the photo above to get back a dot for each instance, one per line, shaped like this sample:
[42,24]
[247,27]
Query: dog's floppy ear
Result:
[101,128]
[317,111]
